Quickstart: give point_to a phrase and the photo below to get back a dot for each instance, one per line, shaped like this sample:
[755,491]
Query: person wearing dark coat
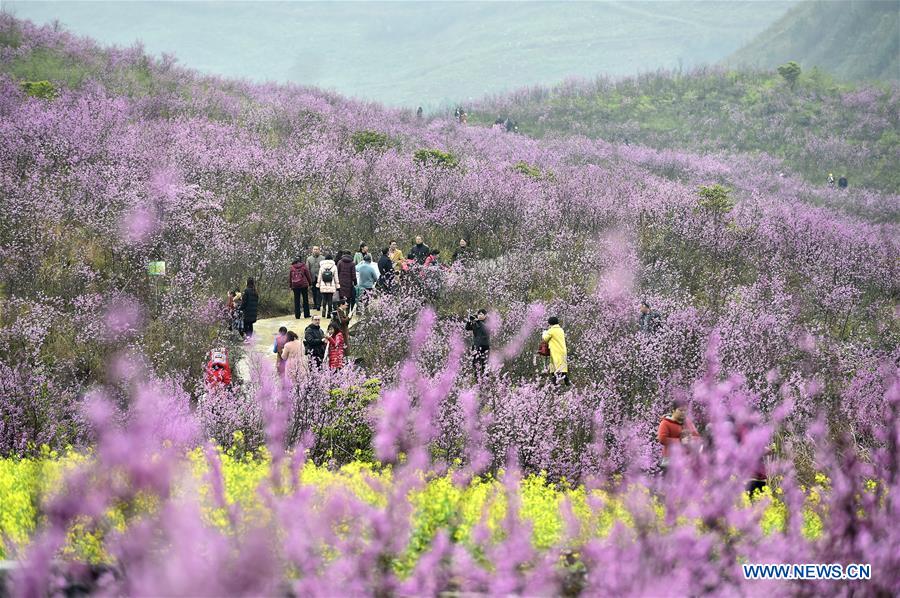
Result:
[300,279]
[386,268]
[420,251]
[462,254]
[347,277]
[481,342]
[250,306]
[313,262]
[314,341]
[649,319]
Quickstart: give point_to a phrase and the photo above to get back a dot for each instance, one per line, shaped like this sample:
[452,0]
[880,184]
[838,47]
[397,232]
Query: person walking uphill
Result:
[312,263]
[300,280]
[555,338]
[250,306]
[347,279]
[481,342]
[420,251]
[328,284]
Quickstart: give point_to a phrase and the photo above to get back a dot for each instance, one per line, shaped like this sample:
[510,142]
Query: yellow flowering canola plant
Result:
[439,504]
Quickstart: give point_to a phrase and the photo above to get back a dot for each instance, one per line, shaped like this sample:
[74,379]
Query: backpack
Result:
[328,275]
[296,277]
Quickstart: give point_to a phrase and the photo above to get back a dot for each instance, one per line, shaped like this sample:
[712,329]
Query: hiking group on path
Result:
[337,286]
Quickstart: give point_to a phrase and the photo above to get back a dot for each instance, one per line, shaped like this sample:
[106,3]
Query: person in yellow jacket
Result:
[556,339]
[396,256]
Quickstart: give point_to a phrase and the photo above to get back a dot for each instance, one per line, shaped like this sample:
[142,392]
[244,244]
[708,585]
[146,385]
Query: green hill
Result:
[852,40]
[812,126]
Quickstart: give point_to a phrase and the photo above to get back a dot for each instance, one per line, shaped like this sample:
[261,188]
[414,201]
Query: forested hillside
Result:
[853,40]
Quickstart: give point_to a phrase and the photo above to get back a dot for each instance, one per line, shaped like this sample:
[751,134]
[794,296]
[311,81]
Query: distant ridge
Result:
[852,40]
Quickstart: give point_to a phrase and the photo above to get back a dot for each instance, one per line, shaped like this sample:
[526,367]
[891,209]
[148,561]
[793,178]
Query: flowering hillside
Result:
[812,127]
[777,330]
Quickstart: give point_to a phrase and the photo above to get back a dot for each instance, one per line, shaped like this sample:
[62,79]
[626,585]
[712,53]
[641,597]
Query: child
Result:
[335,340]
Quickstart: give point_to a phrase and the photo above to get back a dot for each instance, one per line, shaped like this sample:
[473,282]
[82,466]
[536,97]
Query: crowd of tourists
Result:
[338,285]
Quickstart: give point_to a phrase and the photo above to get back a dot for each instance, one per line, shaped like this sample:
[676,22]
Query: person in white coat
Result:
[328,284]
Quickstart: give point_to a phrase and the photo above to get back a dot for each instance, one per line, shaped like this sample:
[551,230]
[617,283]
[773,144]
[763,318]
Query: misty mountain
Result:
[419,53]
[851,40]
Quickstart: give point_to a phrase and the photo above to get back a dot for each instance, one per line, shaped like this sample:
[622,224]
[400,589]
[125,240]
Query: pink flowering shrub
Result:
[777,325]
[690,519]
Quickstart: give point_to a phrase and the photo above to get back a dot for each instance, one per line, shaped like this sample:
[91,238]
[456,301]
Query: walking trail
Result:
[264,333]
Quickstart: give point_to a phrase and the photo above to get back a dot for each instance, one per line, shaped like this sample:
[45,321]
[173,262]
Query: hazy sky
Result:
[411,53]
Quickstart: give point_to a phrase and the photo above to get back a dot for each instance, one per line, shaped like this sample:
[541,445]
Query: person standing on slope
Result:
[556,340]
[314,341]
[481,342]
[250,306]
[420,251]
[300,279]
[366,278]
[312,262]
[347,279]
[327,284]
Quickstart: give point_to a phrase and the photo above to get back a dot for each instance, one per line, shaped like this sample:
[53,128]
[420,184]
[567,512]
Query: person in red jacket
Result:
[335,341]
[675,429]
[300,280]
[218,372]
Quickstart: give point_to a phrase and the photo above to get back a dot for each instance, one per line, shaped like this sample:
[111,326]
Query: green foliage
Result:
[370,140]
[349,436]
[10,37]
[528,170]
[715,199]
[46,64]
[39,89]
[790,72]
[714,111]
[435,157]
[533,171]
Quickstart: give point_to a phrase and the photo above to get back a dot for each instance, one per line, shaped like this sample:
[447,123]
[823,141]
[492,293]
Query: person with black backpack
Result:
[300,280]
[328,284]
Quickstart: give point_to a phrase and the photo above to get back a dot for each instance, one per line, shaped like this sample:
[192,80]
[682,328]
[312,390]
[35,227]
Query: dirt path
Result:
[264,333]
